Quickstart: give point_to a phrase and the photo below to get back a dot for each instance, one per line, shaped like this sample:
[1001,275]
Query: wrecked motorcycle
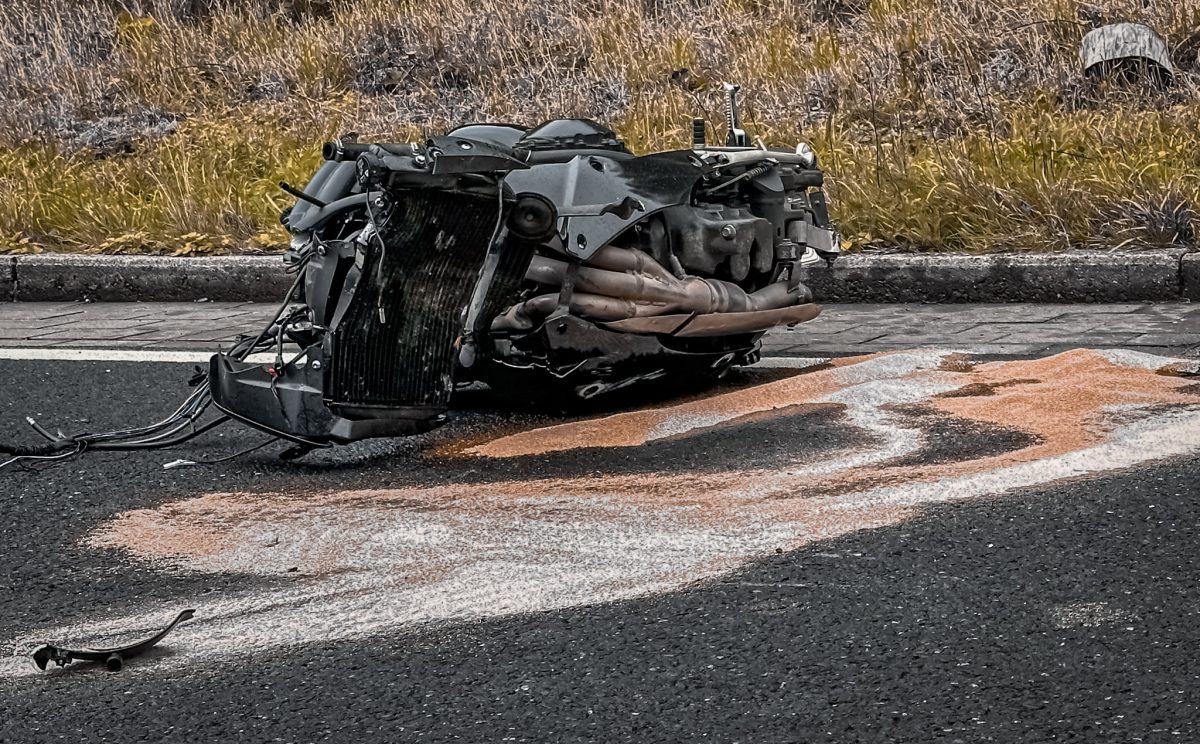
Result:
[549,255]
[504,255]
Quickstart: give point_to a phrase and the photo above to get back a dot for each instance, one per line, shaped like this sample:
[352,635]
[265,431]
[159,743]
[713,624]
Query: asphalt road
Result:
[1061,607]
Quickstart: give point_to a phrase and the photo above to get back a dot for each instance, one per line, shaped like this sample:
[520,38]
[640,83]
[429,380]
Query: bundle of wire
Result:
[184,424]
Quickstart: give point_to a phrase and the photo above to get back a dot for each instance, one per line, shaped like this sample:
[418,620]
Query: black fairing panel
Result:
[592,188]
[504,135]
[289,403]
[331,182]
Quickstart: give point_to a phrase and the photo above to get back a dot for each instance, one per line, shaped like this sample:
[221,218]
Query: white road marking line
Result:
[196,356]
[57,354]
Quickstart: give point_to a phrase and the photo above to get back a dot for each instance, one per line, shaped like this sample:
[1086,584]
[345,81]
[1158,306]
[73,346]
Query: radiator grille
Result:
[395,346]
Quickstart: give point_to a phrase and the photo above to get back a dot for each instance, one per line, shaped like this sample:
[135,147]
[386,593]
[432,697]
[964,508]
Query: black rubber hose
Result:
[41,451]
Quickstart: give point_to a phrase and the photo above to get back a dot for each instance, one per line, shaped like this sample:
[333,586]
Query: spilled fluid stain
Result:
[367,561]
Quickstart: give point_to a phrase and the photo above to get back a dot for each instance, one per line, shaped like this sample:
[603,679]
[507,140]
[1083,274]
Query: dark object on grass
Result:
[113,658]
[1129,52]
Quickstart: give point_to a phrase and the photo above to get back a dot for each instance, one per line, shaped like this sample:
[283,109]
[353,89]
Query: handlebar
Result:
[340,152]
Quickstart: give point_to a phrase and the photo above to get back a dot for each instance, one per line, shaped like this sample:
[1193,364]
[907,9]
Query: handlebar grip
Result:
[342,151]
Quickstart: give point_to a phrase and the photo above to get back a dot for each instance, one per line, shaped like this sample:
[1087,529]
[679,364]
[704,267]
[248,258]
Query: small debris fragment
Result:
[113,658]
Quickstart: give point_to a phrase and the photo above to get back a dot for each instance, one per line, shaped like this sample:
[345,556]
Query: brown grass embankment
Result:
[943,124]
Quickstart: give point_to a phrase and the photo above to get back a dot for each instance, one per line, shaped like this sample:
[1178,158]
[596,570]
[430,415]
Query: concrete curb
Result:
[1189,276]
[1082,276]
[66,278]
[8,278]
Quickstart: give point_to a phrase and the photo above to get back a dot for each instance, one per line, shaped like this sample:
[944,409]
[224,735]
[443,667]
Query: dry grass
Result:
[944,124]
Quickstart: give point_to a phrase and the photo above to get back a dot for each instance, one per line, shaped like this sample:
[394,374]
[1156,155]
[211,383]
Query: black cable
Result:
[191,408]
[185,409]
[287,299]
[237,454]
[123,447]
[16,451]
[191,420]
[161,434]
[44,458]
